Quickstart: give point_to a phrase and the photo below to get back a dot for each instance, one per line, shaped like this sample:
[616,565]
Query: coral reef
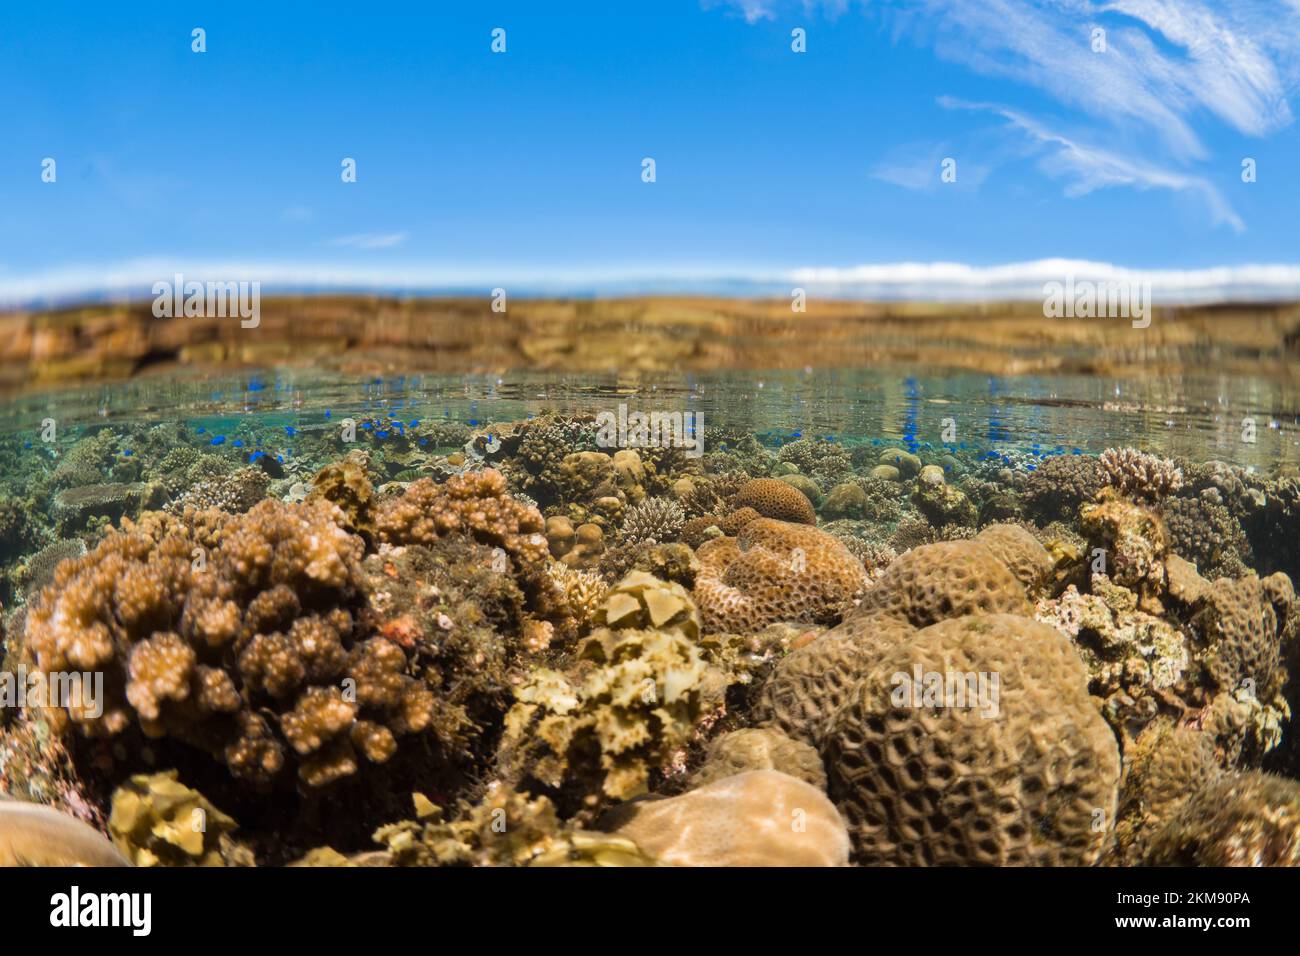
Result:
[1249,819]
[948,579]
[654,519]
[760,748]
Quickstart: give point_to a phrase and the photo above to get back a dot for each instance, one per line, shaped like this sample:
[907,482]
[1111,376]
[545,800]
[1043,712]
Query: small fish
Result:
[219,440]
[36,835]
[237,443]
[202,429]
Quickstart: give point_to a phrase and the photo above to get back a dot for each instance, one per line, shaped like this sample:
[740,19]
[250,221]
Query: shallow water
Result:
[1200,415]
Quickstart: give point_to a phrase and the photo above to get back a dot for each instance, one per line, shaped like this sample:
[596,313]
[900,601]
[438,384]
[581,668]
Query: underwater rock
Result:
[158,821]
[759,818]
[774,498]
[941,502]
[1017,772]
[776,571]
[36,835]
[1133,545]
[908,465]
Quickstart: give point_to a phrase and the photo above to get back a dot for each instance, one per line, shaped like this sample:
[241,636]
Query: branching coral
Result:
[237,647]
[655,519]
[1138,474]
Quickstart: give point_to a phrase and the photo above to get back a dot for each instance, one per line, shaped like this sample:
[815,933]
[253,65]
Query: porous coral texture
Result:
[776,571]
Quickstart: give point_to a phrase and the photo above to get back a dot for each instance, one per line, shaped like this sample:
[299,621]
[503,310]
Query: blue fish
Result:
[219,440]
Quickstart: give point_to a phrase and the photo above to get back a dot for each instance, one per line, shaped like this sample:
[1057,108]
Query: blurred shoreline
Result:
[378,334]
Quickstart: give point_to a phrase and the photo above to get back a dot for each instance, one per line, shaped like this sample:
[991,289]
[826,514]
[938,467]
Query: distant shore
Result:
[649,335]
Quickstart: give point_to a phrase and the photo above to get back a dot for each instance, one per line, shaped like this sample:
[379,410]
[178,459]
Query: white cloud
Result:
[921,281]
[1169,66]
[369,240]
[1090,168]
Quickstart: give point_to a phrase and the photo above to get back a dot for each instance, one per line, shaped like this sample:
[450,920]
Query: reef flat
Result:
[507,643]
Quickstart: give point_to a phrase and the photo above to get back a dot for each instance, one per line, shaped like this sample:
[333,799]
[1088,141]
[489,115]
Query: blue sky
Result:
[475,167]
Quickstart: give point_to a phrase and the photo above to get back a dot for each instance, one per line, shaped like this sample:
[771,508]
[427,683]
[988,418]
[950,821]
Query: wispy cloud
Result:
[1166,72]
[370,240]
[1089,168]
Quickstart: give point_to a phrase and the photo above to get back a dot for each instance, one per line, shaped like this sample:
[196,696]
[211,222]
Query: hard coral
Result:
[1014,774]
[655,519]
[773,498]
[776,571]
[760,748]
[944,580]
[1249,819]
[473,504]
[237,642]
[1137,474]
[760,818]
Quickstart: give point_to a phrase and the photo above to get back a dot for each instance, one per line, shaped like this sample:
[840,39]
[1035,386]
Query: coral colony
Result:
[443,623]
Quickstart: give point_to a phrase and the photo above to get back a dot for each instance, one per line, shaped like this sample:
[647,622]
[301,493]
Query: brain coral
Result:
[1238,623]
[811,683]
[1013,774]
[776,571]
[773,498]
[760,748]
[747,819]
[235,635]
[1249,819]
[1164,766]
[944,580]
[1020,552]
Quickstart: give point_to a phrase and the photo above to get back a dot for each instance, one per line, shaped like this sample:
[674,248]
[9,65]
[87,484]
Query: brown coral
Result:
[760,748]
[944,580]
[1249,819]
[223,634]
[1018,773]
[776,571]
[773,498]
[474,504]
